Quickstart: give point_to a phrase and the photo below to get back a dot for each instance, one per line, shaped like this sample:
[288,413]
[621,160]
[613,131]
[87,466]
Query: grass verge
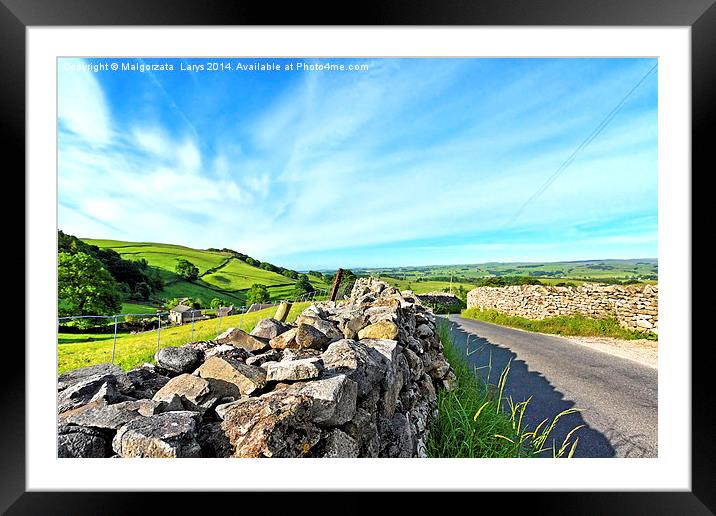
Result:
[577,325]
[475,420]
[80,350]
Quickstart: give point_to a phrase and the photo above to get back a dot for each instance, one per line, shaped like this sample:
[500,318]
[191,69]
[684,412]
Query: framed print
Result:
[434,250]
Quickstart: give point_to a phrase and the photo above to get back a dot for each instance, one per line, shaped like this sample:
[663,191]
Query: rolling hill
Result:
[221,274]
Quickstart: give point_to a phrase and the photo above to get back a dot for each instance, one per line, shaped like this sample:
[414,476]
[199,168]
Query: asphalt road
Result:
[617,397]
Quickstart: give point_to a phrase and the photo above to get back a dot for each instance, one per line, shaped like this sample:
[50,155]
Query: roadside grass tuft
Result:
[576,324]
[475,420]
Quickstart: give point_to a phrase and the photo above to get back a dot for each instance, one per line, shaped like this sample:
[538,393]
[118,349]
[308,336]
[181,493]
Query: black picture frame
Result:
[699,15]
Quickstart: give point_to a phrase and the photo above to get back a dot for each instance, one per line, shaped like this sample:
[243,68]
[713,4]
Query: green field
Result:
[422,287]
[133,308]
[642,270]
[221,274]
[80,350]
[236,275]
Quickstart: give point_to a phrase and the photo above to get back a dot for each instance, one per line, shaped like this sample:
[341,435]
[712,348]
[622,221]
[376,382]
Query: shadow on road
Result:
[488,360]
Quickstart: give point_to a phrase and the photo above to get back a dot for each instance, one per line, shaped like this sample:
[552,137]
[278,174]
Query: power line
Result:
[581,146]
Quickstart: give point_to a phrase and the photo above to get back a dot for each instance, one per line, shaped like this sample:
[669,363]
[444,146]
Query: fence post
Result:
[336,284]
[192,325]
[241,319]
[159,330]
[218,328]
[114,344]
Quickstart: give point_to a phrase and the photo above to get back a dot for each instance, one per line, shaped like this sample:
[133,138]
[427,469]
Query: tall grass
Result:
[475,420]
[575,324]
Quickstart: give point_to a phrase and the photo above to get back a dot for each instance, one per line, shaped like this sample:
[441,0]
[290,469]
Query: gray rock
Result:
[328,328]
[272,355]
[195,393]
[144,382]
[359,362]
[424,330]
[334,399]
[337,444]
[231,378]
[300,354]
[178,359]
[309,337]
[353,326]
[77,375]
[397,439]
[229,352]
[241,339]
[80,442]
[99,387]
[172,434]
[293,370]
[111,417]
[269,328]
[275,424]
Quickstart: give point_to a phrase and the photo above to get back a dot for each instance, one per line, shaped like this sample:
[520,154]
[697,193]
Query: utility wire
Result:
[581,146]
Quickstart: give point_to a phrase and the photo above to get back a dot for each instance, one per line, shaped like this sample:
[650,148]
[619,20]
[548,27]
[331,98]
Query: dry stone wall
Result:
[354,379]
[634,306]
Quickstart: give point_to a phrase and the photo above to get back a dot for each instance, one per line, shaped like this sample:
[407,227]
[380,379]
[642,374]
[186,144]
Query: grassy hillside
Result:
[220,273]
[235,274]
[80,350]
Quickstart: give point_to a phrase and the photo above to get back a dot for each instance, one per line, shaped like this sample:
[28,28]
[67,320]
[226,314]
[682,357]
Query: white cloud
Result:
[82,107]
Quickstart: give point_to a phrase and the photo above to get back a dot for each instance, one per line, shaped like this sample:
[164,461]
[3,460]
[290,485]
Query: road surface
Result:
[617,397]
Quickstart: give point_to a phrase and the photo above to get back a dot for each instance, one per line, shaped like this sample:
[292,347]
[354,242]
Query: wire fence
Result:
[163,319]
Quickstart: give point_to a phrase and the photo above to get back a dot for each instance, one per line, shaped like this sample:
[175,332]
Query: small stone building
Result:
[224,311]
[181,314]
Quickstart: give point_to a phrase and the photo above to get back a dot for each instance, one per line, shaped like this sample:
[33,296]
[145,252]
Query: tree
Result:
[84,287]
[302,286]
[257,294]
[186,270]
[216,303]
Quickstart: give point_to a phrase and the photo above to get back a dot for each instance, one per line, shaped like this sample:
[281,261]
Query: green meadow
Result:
[76,350]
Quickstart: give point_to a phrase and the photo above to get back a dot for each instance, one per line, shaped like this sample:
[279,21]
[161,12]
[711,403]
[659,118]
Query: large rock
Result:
[77,375]
[230,378]
[360,363]
[111,417]
[241,339]
[310,337]
[337,444]
[269,328]
[380,330]
[272,355]
[334,398]
[144,382]
[99,387]
[353,325]
[229,352]
[168,435]
[285,340]
[326,327]
[178,359]
[80,442]
[276,424]
[293,369]
[194,392]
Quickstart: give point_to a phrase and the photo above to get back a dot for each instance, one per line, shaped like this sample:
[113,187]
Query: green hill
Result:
[221,273]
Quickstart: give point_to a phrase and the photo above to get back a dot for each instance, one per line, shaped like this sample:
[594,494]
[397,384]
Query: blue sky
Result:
[410,162]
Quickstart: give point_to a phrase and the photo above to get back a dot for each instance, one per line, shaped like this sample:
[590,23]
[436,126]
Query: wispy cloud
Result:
[317,170]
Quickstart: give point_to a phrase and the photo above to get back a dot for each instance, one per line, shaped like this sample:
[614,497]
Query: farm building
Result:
[181,314]
[226,310]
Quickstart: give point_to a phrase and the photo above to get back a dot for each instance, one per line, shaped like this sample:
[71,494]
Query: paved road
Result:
[617,397]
